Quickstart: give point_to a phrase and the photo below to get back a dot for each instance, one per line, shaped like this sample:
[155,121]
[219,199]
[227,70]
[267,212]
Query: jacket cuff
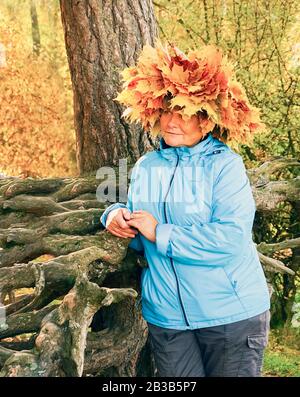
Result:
[163,232]
[103,217]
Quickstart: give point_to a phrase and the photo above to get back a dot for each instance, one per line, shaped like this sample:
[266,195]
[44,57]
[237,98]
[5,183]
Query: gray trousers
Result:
[234,349]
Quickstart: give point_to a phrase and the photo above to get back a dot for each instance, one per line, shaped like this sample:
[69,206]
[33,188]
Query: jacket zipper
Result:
[166,220]
[171,259]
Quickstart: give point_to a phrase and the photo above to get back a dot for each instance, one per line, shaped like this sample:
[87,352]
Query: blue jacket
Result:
[203,270]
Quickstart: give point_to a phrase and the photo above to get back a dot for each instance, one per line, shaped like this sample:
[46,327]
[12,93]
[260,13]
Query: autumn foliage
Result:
[36,125]
[202,82]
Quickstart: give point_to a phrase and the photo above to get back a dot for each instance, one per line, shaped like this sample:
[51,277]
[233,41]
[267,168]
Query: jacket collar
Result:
[201,148]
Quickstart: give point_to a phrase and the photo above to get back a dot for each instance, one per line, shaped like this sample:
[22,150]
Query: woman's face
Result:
[177,132]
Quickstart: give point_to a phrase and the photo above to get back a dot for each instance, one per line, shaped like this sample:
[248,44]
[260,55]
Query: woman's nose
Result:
[172,122]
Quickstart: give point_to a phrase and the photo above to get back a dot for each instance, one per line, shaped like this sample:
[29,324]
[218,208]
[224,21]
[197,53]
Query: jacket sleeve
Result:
[135,242]
[229,231]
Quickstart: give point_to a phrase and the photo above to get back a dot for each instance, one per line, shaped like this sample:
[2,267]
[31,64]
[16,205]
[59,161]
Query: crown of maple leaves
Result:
[201,83]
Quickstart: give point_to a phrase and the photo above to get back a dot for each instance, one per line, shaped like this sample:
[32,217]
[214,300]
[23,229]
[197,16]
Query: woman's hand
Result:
[116,223]
[145,223]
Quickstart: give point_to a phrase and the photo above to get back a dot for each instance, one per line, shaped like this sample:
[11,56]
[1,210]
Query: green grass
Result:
[282,355]
[281,364]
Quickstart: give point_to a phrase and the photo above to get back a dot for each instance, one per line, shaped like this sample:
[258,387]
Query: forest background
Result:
[262,37]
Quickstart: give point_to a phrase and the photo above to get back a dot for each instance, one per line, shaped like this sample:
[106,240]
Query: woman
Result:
[190,210]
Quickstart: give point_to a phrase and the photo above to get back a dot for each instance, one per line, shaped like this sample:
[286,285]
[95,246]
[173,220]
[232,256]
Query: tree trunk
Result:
[102,38]
[36,39]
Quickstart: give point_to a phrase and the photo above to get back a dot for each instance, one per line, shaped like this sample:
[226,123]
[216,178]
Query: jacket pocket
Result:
[257,341]
[240,275]
[234,282]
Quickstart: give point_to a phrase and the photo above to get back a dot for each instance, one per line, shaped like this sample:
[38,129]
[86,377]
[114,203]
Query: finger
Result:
[126,214]
[122,223]
[136,215]
[121,233]
[134,223]
[114,233]
[128,230]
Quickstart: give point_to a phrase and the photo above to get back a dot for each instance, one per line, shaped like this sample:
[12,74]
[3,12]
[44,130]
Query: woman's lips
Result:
[173,133]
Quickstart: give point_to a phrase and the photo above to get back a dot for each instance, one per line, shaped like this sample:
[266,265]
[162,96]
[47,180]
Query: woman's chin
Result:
[173,140]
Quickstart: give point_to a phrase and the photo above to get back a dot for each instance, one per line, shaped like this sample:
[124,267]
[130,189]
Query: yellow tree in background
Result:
[36,116]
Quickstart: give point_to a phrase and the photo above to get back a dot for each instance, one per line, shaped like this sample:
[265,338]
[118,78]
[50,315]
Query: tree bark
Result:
[102,38]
